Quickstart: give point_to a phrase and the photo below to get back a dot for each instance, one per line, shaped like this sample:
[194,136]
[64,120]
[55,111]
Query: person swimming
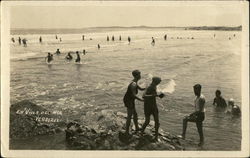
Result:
[78,59]
[58,52]
[235,109]
[69,57]
[49,58]
[219,101]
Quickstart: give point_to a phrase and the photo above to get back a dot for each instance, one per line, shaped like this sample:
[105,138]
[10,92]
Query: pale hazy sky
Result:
[94,16]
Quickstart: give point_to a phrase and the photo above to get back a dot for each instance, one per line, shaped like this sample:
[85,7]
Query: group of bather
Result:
[150,107]
[49,58]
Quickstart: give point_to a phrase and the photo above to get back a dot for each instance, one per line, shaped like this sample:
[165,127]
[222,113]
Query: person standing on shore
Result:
[150,106]
[129,100]
[198,116]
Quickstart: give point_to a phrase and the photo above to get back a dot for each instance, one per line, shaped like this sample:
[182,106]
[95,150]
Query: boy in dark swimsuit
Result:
[129,100]
[150,106]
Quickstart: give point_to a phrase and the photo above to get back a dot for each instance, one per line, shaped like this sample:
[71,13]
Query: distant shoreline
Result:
[115,28]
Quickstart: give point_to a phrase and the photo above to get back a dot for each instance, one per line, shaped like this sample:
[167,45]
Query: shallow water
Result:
[103,75]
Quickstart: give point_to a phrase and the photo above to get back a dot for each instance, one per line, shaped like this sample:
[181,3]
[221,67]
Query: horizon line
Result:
[135,27]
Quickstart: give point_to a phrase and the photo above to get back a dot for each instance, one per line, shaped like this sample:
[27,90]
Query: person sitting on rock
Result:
[150,106]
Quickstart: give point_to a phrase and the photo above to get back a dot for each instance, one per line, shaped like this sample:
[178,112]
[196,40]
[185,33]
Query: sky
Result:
[78,16]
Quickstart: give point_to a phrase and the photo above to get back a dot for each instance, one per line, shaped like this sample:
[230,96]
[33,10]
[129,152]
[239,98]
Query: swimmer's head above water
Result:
[217,93]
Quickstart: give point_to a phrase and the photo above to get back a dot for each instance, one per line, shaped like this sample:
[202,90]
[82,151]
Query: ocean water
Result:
[101,79]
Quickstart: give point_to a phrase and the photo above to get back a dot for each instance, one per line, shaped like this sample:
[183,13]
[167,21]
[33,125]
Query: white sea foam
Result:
[169,87]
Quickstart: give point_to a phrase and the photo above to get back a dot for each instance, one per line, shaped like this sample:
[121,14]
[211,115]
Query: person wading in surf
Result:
[129,100]
[150,106]
[198,116]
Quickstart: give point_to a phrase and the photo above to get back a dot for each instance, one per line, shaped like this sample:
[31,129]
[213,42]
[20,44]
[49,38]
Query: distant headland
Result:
[17,31]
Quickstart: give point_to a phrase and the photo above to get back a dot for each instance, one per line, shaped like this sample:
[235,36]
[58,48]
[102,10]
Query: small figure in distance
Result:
[229,38]
[83,37]
[56,37]
[60,39]
[49,58]
[153,41]
[13,40]
[40,39]
[84,51]
[219,101]
[113,38]
[98,46]
[58,52]
[120,38]
[192,38]
[235,109]
[107,38]
[129,40]
[165,37]
[69,57]
[24,42]
[19,40]
[150,106]
[78,59]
